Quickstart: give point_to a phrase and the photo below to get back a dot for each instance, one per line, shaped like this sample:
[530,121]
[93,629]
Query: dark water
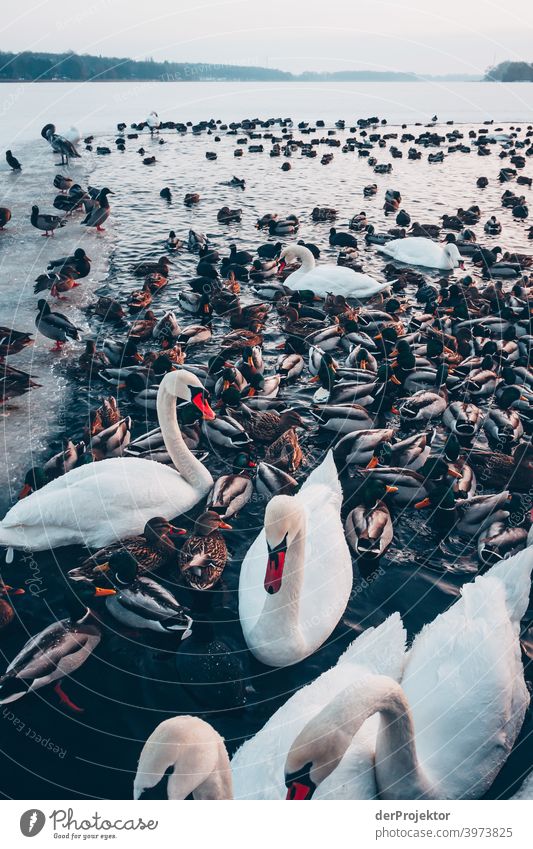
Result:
[130,684]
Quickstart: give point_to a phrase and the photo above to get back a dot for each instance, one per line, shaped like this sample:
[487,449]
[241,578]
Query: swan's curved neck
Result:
[286,602]
[306,258]
[189,467]
[329,735]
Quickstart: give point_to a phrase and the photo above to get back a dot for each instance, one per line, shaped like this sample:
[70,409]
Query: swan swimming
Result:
[327,279]
[417,250]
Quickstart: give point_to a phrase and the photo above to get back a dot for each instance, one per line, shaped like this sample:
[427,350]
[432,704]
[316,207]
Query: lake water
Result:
[127,688]
[96,107]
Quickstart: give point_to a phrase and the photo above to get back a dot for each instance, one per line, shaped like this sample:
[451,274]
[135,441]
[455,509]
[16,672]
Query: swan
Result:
[103,502]
[447,730]
[258,765]
[197,755]
[416,250]
[326,279]
[288,611]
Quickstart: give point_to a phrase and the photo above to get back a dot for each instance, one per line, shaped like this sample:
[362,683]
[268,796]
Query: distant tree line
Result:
[511,72]
[70,66]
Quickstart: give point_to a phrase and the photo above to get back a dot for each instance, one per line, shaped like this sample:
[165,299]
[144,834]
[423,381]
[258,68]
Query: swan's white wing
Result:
[97,504]
[258,766]
[464,681]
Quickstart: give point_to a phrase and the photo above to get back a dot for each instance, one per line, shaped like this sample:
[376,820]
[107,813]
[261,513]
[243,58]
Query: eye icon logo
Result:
[32,822]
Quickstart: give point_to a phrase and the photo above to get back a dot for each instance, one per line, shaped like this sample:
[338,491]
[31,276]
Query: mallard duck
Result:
[239,339]
[58,650]
[359,357]
[167,329]
[290,366]
[342,418]
[54,283]
[156,281]
[410,453]
[48,223]
[368,527]
[498,541]
[14,382]
[196,241]
[359,447]
[469,514]
[91,361]
[423,406]
[140,602]
[140,299]
[65,460]
[109,308]
[226,432]
[112,440]
[503,426]
[296,326]
[151,551]
[285,452]
[5,216]
[261,390]
[173,243]
[462,419]
[54,325]
[270,480]
[230,379]
[121,353]
[162,266]
[145,328]
[498,470]
[100,212]
[232,492]
[13,341]
[268,425]
[242,316]
[204,555]
[196,334]
[408,486]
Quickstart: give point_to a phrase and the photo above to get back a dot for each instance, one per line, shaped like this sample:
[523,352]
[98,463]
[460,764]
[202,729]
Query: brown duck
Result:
[285,453]
[153,550]
[268,425]
[204,555]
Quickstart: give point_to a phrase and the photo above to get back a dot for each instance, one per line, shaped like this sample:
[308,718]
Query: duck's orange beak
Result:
[420,505]
[25,491]
[373,463]
[454,474]
[224,526]
[391,489]
[100,592]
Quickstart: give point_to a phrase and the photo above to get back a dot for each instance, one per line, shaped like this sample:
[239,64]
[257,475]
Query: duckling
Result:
[140,602]
[232,492]
[59,649]
[204,556]
[498,541]
[368,527]
[140,299]
[54,325]
[285,452]
[13,341]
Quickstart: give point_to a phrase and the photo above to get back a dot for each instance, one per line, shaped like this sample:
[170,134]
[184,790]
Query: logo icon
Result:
[32,822]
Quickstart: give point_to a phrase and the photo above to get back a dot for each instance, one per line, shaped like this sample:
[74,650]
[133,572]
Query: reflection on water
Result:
[131,683]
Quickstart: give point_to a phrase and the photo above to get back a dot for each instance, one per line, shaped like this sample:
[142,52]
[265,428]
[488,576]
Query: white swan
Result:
[416,250]
[448,729]
[258,766]
[103,502]
[197,754]
[296,577]
[326,279]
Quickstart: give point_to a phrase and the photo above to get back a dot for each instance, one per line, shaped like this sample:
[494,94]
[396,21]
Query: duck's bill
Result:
[25,491]
[102,592]
[421,505]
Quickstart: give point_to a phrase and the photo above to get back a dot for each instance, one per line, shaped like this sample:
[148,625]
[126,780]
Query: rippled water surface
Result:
[127,687]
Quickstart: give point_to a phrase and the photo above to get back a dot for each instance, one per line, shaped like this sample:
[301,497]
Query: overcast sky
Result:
[429,36]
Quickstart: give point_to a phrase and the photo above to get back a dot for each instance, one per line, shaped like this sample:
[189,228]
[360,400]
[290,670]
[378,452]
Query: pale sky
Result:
[428,36]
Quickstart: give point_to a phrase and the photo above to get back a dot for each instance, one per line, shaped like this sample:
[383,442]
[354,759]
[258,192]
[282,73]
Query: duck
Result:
[423,406]
[379,651]
[368,527]
[416,250]
[359,447]
[121,353]
[463,419]
[342,240]
[204,555]
[151,550]
[46,222]
[144,328]
[196,241]
[139,602]
[55,325]
[408,486]
[100,213]
[167,329]
[54,283]
[285,452]
[231,493]
[140,299]
[13,341]
[111,441]
[503,427]
[14,382]
[499,470]
[414,756]
[325,279]
[192,754]
[77,265]
[162,266]
[342,418]
[269,425]
[58,650]
[469,514]
[5,216]
[292,546]
[12,161]
[290,366]
[409,453]
[226,432]
[239,339]
[104,502]
[172,242]
[196,334]
[498,541]
[492,226]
